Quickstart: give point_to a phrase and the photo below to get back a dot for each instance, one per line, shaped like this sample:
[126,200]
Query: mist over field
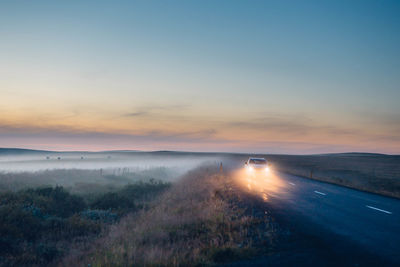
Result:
[111,161]
[83,172]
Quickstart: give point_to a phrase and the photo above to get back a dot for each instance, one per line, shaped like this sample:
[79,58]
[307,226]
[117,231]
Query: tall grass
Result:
[199,221]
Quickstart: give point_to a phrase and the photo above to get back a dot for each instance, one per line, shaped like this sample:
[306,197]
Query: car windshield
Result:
[258,161]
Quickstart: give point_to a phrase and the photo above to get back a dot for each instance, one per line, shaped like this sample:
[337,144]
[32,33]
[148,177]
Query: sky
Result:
[298,77]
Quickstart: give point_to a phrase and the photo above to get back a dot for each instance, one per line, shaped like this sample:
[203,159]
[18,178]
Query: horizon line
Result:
[182,151]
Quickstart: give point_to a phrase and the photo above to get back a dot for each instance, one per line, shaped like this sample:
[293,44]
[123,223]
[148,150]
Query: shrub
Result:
[38,225]
[113,201]
[100,215]
[129,198]
[78,226]
[18,224]
[56,201]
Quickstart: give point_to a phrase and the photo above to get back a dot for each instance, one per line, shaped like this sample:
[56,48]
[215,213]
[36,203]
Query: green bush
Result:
[100,215]
[78,226]
[144,191]
[46,201]
[56,201]
[129,198]
[113,201]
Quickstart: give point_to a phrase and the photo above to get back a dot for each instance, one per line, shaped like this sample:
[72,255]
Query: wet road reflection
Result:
[264,184]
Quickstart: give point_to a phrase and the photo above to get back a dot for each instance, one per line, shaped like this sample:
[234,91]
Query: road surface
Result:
[353,218]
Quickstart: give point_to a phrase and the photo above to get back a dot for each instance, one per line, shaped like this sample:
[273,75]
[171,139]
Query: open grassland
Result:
[374,173]
[199,221]
[151,217]
[82,182]
[40,225]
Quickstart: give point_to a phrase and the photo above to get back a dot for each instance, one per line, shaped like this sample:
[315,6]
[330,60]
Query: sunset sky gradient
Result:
[294,77]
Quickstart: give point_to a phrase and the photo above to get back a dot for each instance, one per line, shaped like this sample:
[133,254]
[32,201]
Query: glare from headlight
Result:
[267,169]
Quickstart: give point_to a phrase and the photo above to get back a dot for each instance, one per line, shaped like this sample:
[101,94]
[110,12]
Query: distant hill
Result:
[16,151]
[360,155]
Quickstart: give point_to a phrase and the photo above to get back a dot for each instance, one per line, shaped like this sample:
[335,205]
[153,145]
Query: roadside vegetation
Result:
[40,225]
[374,173]
[200,220]
[83,182]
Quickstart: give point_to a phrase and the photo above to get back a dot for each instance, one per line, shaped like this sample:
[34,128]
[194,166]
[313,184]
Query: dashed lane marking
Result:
[317,192]
[374,208]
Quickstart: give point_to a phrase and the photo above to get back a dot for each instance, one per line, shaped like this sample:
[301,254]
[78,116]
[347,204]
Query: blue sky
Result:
[254,76]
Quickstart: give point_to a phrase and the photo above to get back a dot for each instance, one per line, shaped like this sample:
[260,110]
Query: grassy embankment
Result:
[199,221]
[374,173]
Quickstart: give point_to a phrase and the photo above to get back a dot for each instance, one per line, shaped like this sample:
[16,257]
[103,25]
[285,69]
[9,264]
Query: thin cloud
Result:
[207,135]
[153,110]
[136,114]
[290,126]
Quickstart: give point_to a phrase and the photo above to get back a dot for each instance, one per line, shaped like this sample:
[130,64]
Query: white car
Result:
[257,165]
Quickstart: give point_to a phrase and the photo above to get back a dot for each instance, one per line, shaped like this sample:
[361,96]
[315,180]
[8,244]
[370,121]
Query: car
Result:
[257,165]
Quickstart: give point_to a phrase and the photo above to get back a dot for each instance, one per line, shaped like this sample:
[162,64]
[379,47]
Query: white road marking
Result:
[320,193]
[291,183]
[385,211]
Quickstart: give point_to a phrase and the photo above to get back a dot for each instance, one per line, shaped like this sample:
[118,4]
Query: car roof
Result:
[258,158]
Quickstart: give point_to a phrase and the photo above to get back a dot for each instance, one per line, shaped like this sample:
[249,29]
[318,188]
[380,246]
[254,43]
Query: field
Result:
[122,215]
[199,221]
[157,209]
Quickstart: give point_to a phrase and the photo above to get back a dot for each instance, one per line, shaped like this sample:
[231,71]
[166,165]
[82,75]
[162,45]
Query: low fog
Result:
[80,171]
[31,162]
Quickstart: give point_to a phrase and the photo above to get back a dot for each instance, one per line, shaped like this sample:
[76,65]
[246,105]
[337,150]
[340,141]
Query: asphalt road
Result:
[370,222]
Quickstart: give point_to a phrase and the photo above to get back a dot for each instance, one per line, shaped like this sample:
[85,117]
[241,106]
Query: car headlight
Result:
[250,168]
[267,169]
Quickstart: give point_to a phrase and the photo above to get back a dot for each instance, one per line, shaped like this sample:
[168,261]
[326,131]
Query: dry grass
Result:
[197,222]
